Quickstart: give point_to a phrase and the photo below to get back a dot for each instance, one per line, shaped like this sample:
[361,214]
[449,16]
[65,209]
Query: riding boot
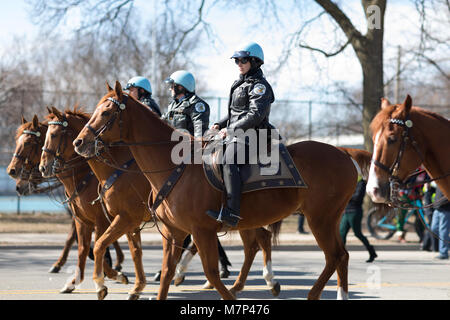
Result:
[232,181]
[372,254]
[224,262]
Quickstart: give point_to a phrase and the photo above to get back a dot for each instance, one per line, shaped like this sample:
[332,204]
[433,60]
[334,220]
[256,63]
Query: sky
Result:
[228,24]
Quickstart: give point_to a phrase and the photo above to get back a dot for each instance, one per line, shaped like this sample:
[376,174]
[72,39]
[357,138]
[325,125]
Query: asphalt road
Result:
[399,272]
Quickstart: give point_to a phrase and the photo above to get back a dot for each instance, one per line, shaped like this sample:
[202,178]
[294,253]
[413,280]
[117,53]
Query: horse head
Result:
[395,152]
[105,123]
[57,149]
[29,141]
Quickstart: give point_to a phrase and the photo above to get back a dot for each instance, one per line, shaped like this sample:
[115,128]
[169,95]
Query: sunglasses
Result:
[241,60]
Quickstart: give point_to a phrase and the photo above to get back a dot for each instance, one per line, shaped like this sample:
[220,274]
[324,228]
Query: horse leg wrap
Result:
[268,274]
[341,294]
[183,264]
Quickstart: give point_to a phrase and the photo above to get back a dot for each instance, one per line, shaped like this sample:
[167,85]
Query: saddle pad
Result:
[287,176]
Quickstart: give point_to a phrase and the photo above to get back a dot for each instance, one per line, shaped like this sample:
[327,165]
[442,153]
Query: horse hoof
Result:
[118,268]
[54,269]
[207,285]
[67,289]
[276,289]
[122,278]
[179,280]
[102,293]
[133,296]
[234,291]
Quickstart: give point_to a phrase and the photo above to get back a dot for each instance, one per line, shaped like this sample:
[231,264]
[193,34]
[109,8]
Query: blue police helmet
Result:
[183,78]
[139,82]
[251,49]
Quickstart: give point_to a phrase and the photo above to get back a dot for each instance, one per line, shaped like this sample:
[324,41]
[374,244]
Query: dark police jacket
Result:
[191,113]
[249,103]
[148,101]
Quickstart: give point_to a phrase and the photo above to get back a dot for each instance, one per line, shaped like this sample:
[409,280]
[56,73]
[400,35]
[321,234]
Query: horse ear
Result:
[48,110]
[23,120]
[35,122]
[56,113]
[385,103]
[118,90]
[108,87]
[407,103]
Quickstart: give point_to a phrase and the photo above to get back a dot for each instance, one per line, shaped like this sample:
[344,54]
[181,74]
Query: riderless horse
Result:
[405,137]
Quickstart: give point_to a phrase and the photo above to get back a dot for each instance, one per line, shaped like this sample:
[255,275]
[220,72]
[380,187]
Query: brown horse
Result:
[126,201]
[25,162]
[328,172]
[405,137]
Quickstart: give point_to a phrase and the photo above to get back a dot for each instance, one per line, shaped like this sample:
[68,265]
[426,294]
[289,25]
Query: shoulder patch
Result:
[200,107]
[259,89]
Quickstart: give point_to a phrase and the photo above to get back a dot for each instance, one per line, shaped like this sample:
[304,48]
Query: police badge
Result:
[200,107]
[259,89]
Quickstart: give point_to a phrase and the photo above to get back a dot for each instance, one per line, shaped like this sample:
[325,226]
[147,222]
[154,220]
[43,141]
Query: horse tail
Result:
[275,228]
[361,159]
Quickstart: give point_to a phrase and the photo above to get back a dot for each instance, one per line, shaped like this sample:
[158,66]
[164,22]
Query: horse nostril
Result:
[12,172]
[78,142]
[41,169]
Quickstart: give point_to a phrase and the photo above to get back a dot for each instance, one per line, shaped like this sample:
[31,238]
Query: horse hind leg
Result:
[336,257]
[72,236]
[182,266]
[264,238]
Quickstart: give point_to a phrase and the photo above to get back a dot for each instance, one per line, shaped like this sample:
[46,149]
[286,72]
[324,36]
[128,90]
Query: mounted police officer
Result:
[140,89]
[248,108]
[186,111]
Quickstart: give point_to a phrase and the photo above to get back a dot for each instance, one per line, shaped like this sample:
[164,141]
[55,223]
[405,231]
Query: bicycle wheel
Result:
[380,226]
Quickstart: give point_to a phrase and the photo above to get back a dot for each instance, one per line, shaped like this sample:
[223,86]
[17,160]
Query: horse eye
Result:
[105,113]
[391,139]
[53,135]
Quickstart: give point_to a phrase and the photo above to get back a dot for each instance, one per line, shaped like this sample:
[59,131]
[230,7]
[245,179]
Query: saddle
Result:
[255,175]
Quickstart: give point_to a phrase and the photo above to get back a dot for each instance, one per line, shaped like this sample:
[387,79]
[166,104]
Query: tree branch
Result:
[326,54]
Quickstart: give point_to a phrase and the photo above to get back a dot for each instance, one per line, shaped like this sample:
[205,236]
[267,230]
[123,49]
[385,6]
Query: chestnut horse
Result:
[25,146]
[329,173]
[24,168]
[126,202]
[405,137]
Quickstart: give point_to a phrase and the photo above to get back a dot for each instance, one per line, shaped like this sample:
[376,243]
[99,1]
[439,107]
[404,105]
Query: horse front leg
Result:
[172,247]
[134,242]
[206,242]
[250,249]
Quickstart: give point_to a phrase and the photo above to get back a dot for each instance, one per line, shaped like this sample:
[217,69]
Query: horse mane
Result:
[429,113]
[77,111]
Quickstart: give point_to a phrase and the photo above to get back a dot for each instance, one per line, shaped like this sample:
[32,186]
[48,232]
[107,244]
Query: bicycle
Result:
[383,226]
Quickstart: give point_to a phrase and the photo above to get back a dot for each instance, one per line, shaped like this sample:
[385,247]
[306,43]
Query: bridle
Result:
[59,164]
[394,181]
[100,145]
[98,141]
[33,172]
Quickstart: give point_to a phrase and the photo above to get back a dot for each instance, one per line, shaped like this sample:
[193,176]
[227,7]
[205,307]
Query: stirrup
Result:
[228,218]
